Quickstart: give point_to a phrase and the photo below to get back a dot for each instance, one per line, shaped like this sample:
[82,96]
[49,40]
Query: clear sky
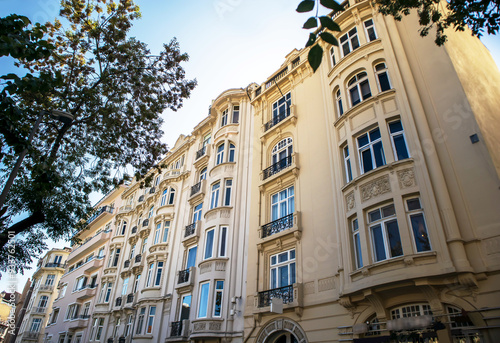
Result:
[231,43]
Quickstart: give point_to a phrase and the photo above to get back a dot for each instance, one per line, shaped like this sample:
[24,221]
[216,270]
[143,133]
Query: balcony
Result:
[94,265]
[79,322]
[152,190]
[86,292]
[291,296]
[55,265]
[130,298]
[281,119]
[138,265]
[46,288]
[141,198]
[101,212]
[197,192]
[118,302]
[145,223]
[126,264]
[277,77]
[277,167]
[282,226]
[185,279]
[39,310]
[202,155]
[191,233]
[134,230]
[179,329]
[138,258]
[30,335]
[91,243]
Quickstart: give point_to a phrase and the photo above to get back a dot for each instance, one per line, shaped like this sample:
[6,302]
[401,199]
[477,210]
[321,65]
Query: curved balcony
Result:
[191,233]
[202,156]
[79,322]
[185,280]
[179,330]
[197,192]
[289,224]
[87,292]
[100,213]
[281,168]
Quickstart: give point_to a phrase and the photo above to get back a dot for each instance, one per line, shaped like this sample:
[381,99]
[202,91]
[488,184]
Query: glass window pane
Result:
[209,244]
[420,232]
[365,89]
[375,134]
[374,215]
[283,276]
[355,98]
[357,246]
[202,312]
[218,304]
[292,273]
[273,278]
[388,211]
[378,243]
[394,240]
[355,43]
[400,145]
[363,140]
[413,204]
[395,126]
[366,159]
[292,254]
[383,79]
[378,151]
[283,257]
[273,260]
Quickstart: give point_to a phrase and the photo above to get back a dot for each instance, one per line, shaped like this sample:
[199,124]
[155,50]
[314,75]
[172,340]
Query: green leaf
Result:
[310,23]
[329,23]
[328,37]
[315,56]
[305,6]
[311,40]
[331,4]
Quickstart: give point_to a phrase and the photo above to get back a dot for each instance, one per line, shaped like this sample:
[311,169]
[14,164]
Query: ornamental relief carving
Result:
[349,200]
[406,178]
[375,188]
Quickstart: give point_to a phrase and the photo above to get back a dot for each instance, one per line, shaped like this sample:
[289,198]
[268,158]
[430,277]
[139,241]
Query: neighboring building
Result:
[355,204]
[7,307]
[21,306]
[50,268]
[77,289]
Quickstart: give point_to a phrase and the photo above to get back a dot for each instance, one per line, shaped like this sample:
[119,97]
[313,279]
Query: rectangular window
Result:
[349,42]
[171,196]
[136,283]
[101,253]
[371,35]
[108,292]
[220,154]
[223,121]
[283,269]
[227,192]
[166,227]
[382,77]
[50,280]
[204,291]
[219,289]
[86,309]
[128,328]
[159,270]
[132,252]
[358,257]
[140,321]
[418,225]
[100,327]
[151,319]
[149,279]
[35,325]
[340,107]
[197,212]
[209,243]
[332,56]
[55,315]
[398,140]
[281,108]
[282,203]
[232,151]
[371,151]
[163,200]
[125,286]
[144,244]
[347,164]
[222,241]
[385,233]
[117,257]
[236,114]
[157,234]
[215,195]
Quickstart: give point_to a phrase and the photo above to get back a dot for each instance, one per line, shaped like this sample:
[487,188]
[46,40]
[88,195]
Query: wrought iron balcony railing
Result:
[277,119]
[277,167]
[278,225]
[100,211]
[152,190]
[183,276]
[134,229]
[176,329]
[126,264]
[284,293]
[138,258]
[130,298]
[196,188]
[145,222]
[190,229]
[201,152]
[118,301]
[55,265]
[141,198]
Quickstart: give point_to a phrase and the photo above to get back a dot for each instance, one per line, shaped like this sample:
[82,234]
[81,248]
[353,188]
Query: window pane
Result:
[363,140]
[292,273]
[283,276]
[388,211]
[394,239]
[365,89]
[222,244]
[378,243]
[413,204]
[400,145]
[202,312]
[273,278]
[378,151]
[218,304]
[355,99]
[375,134]
[283,257]
[355,43]
[366,159]
[209,244]
[383,79]
[420,232]
[357,247]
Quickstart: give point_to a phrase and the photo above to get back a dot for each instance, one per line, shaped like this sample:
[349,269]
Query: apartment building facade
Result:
[358,203]
[49,270]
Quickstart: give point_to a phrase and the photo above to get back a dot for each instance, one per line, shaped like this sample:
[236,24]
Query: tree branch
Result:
[19,227]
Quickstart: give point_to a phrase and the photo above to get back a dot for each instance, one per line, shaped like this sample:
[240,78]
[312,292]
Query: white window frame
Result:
[412,212]
[285,146]
[125,286]
[231,153]
[220,154]
[332,57]
[140,320]
[149,278]
[137,279]
[370,146]
[157,233]
[166,228]
[164,194]
[124,228]
[236,114]
[381,69]
[107,295]
[150,320]
[289,263]
[49,281]
[209,248]
[351,40]
[159,273]
[222,251]
[277,203]
[228,185]
[218,292]
[283,108]
[396,134]
[204,293]
[356,84]
[36,323]
[382,222]
[367,28]
[214,197]
[197,212]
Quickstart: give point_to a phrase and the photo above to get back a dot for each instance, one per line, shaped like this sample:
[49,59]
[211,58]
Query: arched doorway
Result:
[281,330]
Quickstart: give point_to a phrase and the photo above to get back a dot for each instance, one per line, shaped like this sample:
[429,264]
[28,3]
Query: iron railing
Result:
[145,222]
[141,198]
[278,225]
[295,62]
[134,229]
[277,119]
[277,167]
[130,298]
[284,293]
[176,329]
[196,188]
[190,229]
[118,301]
[100,211]
[55,265]
[138,258]
[183,276]
[201,152]
[126,264]
[276,77]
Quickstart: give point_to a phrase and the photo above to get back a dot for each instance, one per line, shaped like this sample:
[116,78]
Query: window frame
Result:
[217,313]
[356,83]
[220,154]
[393,136]
[235,119]
[203,300]
[417,212]
[214,195]
[367,29]
[379,72]
[386,240]
[370,146]
[150,320]
[350,37]
[280,201]
[222,244]
[347,164]
[209,250]
[291,272]
[228,185]
[224,117]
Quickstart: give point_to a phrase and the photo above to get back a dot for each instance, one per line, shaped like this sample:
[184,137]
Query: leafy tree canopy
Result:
[86,65]
[478,15]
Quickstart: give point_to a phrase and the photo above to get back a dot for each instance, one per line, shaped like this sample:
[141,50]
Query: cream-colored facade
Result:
[49,270]
[355,204]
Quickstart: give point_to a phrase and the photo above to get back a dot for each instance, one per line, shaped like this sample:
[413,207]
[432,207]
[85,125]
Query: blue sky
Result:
[231,43]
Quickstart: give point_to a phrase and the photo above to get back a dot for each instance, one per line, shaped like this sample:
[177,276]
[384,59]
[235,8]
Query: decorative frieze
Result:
[406,178]
[375,188]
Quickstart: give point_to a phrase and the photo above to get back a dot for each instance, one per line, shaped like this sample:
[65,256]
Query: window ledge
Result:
[146,289]
[231,128]
[360,107]
[292,168]
[354,55]
[224,212]
[292,118]
[227,166]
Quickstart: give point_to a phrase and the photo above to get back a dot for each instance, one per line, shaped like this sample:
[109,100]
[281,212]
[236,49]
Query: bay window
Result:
[398,140]
[349,42]
[209,243]
[359,88]
[418,225]
[151,318]
[384,232]
[227,192]
[371,151]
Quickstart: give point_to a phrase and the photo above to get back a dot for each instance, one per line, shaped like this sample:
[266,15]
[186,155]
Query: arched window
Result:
[203,174]
[359,88]
[282,151]
[382,77]
[163,200]
[232,150]
[124,228]
[171,196]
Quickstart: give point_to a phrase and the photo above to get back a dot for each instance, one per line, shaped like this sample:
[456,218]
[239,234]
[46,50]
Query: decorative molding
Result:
[406,178]
[375,188]
[349,200]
